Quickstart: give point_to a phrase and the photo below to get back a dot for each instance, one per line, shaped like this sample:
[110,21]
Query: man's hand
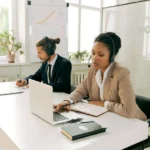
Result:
[21,83]
[64,105]
[98,102]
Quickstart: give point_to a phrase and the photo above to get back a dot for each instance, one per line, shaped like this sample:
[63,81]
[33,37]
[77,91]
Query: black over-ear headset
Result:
[50,47]
[112,57]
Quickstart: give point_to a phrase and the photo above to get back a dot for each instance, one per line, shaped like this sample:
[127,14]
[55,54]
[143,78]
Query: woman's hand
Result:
[98,102]
[64,105]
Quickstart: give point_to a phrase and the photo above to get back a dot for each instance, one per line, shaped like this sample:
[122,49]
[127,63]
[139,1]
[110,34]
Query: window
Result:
[107,3]
[72,1]
[4,18]
[73,21]
[83,24]
[90,28]
[91,3]
[146,30]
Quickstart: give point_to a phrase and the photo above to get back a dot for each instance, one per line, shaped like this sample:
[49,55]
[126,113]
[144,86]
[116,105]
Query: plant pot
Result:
[11,58]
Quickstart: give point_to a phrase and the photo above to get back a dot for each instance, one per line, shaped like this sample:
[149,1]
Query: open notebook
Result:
[89,109]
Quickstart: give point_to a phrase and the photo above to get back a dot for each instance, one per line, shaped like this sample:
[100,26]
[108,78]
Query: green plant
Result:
[79,55]
[9,44]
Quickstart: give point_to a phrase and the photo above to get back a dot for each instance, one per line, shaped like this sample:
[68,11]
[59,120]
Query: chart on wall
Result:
[50,21]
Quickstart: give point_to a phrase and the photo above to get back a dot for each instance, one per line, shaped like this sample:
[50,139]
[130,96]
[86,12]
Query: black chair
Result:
[144,104]
[73,87]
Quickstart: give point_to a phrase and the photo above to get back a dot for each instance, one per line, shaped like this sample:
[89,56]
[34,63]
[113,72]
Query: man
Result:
[55,70]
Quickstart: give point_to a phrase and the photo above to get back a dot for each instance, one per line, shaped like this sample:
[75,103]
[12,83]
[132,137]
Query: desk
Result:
[29,132]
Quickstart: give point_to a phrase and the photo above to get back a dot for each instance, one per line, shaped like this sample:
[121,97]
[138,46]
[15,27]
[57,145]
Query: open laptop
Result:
[41,103]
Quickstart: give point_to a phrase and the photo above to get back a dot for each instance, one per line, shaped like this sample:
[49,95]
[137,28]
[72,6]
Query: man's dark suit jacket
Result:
[61,75]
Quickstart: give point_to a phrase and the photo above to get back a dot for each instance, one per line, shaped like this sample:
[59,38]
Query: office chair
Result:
[73,87]
[144,105]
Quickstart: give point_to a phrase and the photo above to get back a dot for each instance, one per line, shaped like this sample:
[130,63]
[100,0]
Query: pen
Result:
[62,105]
[86,121]
[18,78]
[65,105]
[75,120]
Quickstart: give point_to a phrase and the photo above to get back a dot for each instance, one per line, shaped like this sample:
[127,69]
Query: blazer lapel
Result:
[108,83]
[56,66]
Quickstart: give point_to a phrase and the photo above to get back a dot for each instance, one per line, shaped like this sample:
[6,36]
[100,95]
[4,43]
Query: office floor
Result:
[149,147]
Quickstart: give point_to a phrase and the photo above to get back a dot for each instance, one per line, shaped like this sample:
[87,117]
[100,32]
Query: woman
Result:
[107,84]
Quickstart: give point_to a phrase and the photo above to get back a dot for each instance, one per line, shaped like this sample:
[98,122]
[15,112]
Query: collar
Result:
[98,74]
[53,61]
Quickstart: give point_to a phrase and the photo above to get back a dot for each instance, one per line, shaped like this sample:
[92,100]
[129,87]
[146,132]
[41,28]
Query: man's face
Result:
[42,54]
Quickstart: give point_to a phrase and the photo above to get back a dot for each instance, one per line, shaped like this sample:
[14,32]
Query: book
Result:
[89,109]
[81,130]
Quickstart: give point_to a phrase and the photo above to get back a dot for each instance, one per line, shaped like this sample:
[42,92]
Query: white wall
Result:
[9,72]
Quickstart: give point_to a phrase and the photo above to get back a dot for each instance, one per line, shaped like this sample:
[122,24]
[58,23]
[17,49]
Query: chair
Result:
[73,87]
[144,105]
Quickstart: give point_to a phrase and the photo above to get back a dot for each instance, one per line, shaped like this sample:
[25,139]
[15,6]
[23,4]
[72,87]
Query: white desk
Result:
[29,132]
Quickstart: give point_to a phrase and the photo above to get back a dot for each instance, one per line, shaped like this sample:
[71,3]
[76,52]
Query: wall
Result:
[9,72]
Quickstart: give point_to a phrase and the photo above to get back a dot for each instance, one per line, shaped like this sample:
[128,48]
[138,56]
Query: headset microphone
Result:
[89,65]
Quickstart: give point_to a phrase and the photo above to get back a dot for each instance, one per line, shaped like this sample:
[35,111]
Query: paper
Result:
[6,89]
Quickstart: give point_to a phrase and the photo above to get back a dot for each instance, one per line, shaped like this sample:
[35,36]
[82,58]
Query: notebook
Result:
[81,130]
[7,89]
[89,109]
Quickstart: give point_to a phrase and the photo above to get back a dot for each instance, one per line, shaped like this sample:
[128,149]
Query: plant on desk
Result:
[9,45]
[79,56]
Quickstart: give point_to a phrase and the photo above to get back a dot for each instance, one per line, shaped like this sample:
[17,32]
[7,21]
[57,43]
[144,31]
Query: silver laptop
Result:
[42,99]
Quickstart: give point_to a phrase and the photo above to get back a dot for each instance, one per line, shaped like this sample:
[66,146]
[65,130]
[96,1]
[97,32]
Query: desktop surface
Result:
[29,132]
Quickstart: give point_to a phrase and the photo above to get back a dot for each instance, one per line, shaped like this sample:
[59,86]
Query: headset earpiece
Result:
[50,48]
[112,58]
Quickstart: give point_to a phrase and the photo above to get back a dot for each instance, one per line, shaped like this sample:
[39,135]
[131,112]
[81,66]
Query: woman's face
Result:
[100,56]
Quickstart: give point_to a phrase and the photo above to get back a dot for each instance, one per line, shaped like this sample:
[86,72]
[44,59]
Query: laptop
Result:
[42,99]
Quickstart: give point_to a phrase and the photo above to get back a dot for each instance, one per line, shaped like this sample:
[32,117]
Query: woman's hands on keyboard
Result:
[64,105]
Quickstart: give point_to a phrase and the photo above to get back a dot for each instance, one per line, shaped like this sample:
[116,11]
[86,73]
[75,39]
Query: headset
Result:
[89,65]
[50,47]
[112,58]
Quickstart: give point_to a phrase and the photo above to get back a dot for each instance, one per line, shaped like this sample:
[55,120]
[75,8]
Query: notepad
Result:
[80,130]
[88,109]
[7,90]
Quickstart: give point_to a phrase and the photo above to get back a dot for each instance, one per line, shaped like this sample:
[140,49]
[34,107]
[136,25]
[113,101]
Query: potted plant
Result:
[79,56]
[9,45]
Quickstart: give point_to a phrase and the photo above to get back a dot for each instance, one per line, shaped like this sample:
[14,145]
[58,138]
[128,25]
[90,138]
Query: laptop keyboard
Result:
[58,117]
